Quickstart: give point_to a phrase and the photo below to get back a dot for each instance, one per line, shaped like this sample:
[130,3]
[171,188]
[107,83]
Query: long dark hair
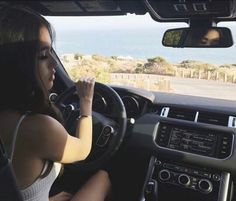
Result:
[19,47]
[21,88]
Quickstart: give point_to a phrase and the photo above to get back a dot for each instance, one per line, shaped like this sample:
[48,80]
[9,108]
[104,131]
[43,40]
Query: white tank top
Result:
[39,189]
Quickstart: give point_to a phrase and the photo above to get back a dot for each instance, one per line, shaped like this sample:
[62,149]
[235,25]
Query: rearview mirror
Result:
[198,37]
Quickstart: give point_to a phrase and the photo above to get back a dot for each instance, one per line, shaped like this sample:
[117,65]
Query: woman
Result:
[30,126]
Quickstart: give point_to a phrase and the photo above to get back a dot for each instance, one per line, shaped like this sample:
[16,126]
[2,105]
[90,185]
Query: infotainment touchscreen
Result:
[203,143]
[198,140]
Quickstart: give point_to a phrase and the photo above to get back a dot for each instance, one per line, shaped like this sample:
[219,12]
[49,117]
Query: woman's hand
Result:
[85,88]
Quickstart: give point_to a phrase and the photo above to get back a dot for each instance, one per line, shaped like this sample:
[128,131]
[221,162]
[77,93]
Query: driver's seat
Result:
[8,187]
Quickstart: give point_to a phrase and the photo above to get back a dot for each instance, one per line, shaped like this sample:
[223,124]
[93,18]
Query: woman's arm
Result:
[48,139]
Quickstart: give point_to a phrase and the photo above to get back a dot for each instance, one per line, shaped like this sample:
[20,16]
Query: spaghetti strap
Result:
[15,136]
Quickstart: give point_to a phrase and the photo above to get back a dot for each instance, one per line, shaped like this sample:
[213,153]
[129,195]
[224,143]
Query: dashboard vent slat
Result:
[213,118]
[164,111]
[183,114]
[232,122]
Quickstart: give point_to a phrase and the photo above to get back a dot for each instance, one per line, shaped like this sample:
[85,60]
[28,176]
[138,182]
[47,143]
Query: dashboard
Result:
[191,140]
[195,130]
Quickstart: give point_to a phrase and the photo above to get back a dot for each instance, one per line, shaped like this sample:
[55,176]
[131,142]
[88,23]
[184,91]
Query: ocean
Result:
[136,43]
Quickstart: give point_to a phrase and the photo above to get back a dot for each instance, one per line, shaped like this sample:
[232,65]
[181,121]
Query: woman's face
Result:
[47,62]
[212,37]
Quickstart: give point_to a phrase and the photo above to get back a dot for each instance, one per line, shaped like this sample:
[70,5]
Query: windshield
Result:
[128,50]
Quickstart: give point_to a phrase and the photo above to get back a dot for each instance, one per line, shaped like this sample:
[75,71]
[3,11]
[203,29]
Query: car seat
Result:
[8,187]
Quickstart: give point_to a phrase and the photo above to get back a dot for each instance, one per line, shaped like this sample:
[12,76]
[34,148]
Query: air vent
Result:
[213,118]
[156,109]
[179,113]
[199,116]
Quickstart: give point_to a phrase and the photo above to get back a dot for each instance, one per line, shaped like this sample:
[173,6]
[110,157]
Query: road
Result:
[186,86]
[205,88]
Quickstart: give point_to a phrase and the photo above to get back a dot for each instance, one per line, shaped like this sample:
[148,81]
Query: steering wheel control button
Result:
[164,175]
[205,186]
[53,97]
[67,111]
[104,136]
[107,131]
[102,141]
[184,180]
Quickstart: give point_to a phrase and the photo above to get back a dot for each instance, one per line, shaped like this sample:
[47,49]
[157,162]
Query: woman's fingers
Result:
[85,87]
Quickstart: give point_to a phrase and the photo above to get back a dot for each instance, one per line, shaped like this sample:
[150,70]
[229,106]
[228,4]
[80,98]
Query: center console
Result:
[168,181]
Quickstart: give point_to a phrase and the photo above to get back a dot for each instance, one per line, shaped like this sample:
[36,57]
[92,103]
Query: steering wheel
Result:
[108,129]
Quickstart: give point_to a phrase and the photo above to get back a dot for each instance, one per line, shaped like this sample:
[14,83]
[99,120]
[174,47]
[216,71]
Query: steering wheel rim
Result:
[119,114]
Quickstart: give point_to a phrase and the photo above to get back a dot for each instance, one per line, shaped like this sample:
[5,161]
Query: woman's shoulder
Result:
[41,124]
[44,136]
[40,118]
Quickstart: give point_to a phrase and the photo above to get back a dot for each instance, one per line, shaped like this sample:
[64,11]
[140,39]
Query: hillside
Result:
[101,67]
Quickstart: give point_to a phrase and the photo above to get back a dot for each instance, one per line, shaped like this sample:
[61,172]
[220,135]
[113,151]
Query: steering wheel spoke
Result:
[104,136]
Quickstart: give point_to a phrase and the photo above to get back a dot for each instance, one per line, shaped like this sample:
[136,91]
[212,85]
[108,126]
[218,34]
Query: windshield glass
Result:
[128,50]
